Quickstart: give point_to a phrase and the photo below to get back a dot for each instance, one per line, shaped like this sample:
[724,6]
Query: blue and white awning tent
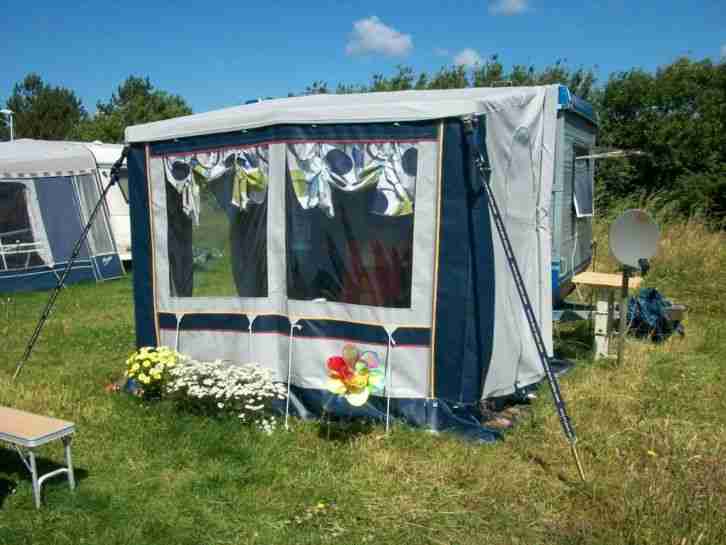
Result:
[360,219]
[47,192]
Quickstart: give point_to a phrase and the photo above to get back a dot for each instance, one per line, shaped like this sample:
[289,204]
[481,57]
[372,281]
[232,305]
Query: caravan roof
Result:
[346,108]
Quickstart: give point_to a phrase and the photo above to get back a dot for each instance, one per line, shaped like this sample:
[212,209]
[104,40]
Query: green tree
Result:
[44,111]
[135,101]
[489,73]
[317,88]
[677,116]
[4,129]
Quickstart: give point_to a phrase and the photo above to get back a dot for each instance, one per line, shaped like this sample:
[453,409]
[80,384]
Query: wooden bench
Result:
[27,431]
[606,285]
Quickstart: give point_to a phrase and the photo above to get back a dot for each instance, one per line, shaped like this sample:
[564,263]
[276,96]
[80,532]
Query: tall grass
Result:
[652,437]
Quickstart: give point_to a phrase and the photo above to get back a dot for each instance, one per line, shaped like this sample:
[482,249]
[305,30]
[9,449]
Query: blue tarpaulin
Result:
[648,316]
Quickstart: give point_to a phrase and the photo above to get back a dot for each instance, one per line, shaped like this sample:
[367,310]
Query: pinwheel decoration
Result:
[356,375]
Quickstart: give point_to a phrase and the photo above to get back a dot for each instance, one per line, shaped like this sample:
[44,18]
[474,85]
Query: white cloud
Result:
[508,7]
[371,35]
[467,57]
[723,51]
[441,52]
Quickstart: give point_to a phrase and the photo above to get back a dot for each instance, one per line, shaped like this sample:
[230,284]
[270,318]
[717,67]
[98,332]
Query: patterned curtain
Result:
[247,169]
[390,167]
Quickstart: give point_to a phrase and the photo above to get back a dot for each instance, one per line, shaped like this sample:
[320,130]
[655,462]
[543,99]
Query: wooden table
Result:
[26,431]
[606,285]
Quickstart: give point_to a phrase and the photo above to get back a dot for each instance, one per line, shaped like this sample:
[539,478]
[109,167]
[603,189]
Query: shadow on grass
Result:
[342,430]
[573,340]
[11,464]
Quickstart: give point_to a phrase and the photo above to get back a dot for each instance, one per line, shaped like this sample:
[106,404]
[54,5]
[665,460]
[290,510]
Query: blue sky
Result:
[217,56]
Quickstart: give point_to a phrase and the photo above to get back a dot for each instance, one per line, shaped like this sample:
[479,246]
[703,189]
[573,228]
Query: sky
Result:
[216,56]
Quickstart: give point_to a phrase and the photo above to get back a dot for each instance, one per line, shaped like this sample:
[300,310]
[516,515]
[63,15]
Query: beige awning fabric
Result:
[399,106]
[27,158]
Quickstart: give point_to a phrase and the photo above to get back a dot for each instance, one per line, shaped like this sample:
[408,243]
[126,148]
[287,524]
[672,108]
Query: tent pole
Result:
[482,167]
[293,326]
[623,313]
[74,255]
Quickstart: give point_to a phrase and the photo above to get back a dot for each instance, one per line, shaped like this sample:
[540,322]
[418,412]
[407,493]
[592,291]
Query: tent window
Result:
[582,181]
[18,247]
[100,235]
[350,222]
[217,223]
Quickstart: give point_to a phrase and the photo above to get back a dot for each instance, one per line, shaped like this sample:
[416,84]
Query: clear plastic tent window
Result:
[217,222]
[100,235]
[349,218]
[18,247]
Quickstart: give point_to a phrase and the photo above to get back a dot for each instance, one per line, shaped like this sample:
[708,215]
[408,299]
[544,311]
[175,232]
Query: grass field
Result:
[652,437]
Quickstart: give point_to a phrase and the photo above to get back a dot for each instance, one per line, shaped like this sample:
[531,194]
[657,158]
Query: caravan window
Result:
[582,182]
[350,222]
[217,222]
[18,248]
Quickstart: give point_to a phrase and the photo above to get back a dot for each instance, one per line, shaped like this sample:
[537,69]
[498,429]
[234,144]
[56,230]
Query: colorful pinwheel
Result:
[356,375]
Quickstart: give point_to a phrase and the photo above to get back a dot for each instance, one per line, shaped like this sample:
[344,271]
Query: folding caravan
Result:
[361,220]
[47,192]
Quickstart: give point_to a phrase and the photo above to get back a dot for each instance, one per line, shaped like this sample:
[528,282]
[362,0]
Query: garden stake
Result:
[389,377]
[76,250]
[482,167]
[623,313]
[293,326]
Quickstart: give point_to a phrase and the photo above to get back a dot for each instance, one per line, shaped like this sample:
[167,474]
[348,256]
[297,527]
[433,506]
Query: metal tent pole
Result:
[482,167]
[623,313]
[74,255]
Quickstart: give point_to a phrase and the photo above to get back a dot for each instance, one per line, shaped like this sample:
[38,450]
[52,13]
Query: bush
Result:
[220,388]
[150,366]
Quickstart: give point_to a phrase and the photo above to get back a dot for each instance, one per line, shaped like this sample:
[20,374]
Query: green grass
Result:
[652,438]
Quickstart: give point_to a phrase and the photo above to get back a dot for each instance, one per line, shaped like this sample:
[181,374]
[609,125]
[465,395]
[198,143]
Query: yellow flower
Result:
[135,367]
[143,377]
[147,364]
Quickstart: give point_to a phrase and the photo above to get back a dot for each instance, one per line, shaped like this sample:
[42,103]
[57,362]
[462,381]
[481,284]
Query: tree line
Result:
[675,115]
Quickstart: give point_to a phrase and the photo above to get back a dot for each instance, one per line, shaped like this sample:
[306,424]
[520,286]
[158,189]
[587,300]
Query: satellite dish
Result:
[634,236]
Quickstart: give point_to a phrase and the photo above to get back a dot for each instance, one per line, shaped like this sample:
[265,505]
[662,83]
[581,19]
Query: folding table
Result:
[27,431]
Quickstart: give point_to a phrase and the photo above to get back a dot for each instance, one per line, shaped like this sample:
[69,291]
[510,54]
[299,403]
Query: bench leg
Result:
[34,476]
[601,330]
[69,462]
